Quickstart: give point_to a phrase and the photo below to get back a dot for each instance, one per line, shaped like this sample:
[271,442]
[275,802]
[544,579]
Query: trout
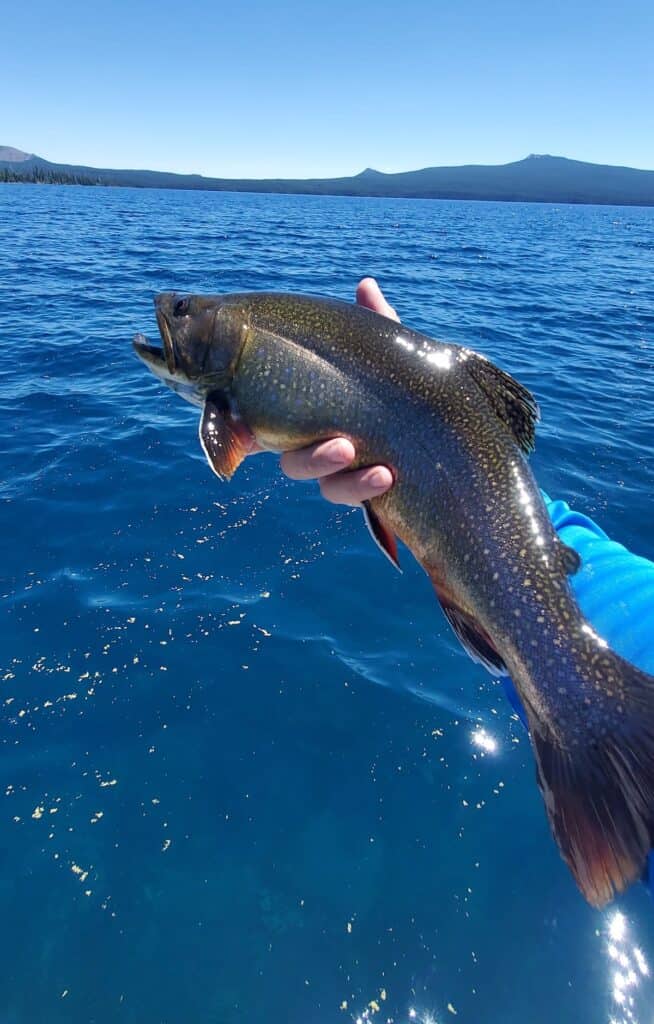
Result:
[278,372]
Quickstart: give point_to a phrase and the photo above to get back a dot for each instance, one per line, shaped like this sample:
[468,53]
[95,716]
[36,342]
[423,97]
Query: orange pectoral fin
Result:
[225,440]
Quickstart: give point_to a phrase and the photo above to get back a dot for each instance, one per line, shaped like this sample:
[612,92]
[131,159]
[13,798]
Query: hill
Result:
[546,179]
[11,156]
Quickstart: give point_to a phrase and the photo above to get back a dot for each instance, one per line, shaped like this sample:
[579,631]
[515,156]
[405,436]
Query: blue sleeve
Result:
[615,591]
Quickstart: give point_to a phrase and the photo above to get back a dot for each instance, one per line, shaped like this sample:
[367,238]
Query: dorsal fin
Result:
[512,403]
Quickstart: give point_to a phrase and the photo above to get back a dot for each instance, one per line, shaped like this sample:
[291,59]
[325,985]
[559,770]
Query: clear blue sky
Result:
[258,88]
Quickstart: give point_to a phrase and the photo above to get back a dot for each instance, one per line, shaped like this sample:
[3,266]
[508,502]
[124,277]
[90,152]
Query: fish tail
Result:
[598,782]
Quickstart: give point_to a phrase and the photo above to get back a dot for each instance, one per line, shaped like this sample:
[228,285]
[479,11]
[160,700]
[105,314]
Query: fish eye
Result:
[181,307]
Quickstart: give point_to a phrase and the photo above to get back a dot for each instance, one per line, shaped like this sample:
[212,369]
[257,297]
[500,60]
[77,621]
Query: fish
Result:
[277,372]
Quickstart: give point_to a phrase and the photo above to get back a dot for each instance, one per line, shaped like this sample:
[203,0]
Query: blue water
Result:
[239,775]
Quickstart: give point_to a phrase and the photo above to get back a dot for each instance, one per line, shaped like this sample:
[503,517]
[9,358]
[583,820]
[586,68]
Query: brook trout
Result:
[280,372]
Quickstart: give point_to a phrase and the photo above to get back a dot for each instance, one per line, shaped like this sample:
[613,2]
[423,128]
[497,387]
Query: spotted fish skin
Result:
[282,371]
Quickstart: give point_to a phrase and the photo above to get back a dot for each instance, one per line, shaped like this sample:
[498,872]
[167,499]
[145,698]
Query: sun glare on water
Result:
[628,967]
[412,1015]
[484,741]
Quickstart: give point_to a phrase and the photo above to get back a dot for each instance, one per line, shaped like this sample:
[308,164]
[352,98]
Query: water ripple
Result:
[239,777]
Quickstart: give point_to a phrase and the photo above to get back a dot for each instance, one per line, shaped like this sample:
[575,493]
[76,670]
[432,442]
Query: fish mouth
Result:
[156,359]
[152,355]
[166,337]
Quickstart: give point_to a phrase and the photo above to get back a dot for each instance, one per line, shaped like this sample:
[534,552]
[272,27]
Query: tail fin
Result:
[598,783]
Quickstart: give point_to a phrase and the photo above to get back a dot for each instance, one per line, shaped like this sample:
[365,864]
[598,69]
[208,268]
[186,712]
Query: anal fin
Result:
[225,440]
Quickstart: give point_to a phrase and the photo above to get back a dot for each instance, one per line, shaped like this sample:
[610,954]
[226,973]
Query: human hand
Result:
[327,461]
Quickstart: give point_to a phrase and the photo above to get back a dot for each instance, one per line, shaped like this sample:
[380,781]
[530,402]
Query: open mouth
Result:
[168,347]
[153,355]
[156,359]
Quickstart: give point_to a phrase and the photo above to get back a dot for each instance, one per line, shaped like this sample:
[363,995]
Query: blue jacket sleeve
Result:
[615,591]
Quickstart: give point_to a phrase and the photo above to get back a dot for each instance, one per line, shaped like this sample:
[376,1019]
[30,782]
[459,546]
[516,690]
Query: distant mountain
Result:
[10,155]
[541,179]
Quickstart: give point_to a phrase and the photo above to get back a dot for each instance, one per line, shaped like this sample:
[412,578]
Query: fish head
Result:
[202,339]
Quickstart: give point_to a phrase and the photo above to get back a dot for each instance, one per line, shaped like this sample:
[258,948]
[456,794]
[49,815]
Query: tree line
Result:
[43,176]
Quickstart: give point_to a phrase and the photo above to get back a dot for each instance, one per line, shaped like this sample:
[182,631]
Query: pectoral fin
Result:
[380,533]
[224,439]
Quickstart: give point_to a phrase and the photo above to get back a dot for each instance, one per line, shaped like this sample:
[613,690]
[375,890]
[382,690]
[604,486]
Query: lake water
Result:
[240,779]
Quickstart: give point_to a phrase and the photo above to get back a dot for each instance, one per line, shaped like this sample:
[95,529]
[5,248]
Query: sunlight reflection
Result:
[524,497]
[617,927]
[484,741]
[626,972]
[591,632]
[372,1010]
[639,957]
[631,967]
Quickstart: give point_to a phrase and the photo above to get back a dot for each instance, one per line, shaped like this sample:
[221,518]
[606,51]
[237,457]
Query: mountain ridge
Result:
[8,154]
[536,178]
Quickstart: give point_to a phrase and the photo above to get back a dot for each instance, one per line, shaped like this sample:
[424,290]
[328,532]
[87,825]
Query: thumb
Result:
[369,294]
